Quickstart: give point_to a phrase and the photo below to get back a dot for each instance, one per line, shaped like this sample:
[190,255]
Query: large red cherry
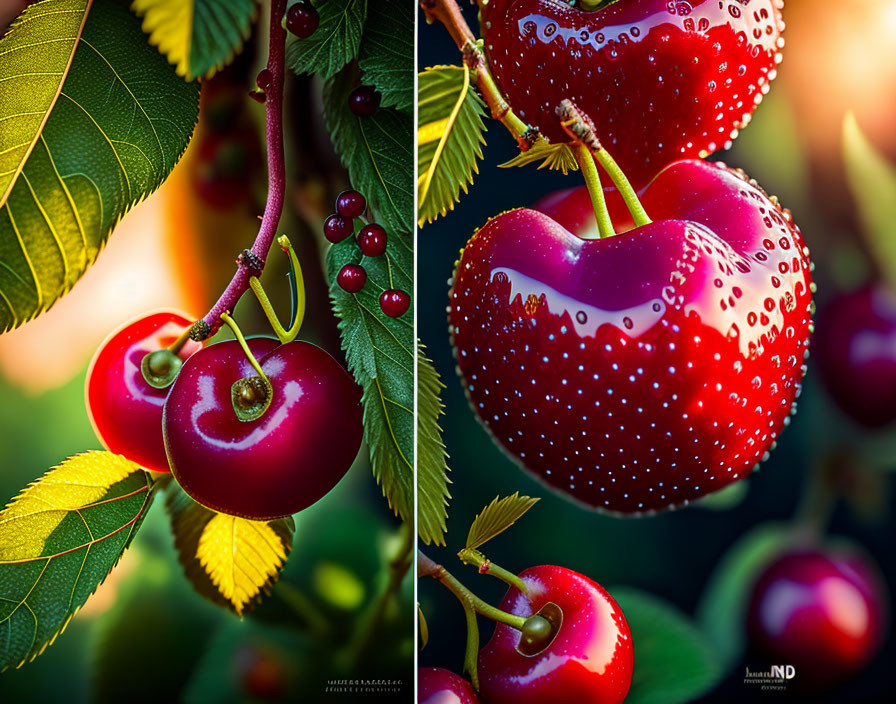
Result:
[824,612]
[284,460]
[586,658]
[691,72]
[640,371]
[436,685]
[124,409]
[856,351]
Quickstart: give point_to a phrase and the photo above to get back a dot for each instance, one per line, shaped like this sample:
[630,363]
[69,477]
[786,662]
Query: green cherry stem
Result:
[298,290]
[428,568]
[238,334]
[582,132]
[471,651]
[176,346]
[595,190]
[470,556]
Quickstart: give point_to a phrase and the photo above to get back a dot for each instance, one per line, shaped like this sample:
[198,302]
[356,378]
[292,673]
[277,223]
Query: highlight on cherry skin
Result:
[261,447]
[824,611]
[436,685]
[856,351]
[683,339]
[124,408]
[693,72]
[587,657]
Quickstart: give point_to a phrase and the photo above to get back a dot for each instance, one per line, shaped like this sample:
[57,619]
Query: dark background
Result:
[793,154]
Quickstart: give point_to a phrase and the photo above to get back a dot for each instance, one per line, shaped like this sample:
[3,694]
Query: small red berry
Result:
[438,686]
[350,204]
[352,277]
[302,19]
[364,101]
[264,79]
[372,240]
[394,302]
[824,612]
[258,96]
[337,228]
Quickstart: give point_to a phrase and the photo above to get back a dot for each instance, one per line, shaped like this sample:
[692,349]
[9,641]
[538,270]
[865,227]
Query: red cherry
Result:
[438,686]
[856,351]
[641,371]
[264,79]
[350,204]
[125,411]
[588,658]
[823,612]
[692,72]
[394,302]
[337,228]
[352,277]
[302,19]
[372,240]
[280,463]
[364,101]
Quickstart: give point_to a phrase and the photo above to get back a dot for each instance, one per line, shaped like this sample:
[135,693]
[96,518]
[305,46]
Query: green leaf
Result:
[228,560]
[377,151]
[380,354]
[386,57]
[497,517]
[449,139]
[94,119]
[59,539]
[872,180]
[673,661]
[334,43]
[432,467]
[722,610]
[556,157]
[199,37]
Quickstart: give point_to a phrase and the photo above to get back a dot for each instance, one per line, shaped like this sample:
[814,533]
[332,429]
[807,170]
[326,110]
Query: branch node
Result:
[200,331]
[251,261]
[578,125]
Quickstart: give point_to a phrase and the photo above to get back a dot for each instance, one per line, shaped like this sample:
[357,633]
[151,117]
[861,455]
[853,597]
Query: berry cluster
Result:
[372,241]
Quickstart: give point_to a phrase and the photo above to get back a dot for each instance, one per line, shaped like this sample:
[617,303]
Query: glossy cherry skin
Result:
[125,411]
[372,240]
[337,228]
[661,80]
[856,351]
[352,277]
[364,101]
[302,19]
[350,204]
[436,685]
[280,463]
[824,612]
[590,659]
[395,302]
[644,370]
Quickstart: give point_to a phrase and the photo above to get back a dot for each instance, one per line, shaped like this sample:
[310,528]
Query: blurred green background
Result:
[839,57]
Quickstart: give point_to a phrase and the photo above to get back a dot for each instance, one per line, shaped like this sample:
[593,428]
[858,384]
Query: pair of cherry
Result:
[252,428]
[372,240]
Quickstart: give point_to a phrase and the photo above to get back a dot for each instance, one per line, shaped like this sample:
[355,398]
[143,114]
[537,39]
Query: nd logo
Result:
[783,672]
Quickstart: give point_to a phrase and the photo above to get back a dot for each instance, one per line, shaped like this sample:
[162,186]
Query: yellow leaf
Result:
[169,24]
[240,556]
[73,486]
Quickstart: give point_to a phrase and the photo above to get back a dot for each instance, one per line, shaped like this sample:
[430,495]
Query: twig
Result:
[251,261]
[448,13]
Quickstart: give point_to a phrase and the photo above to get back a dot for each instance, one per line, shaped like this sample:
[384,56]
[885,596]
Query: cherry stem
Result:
[427,568]
[238,334]
[595,190]
[470,556]
[176,346]
[449,14]
[298,287]
[816,506]
[581,130]
[254,264]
